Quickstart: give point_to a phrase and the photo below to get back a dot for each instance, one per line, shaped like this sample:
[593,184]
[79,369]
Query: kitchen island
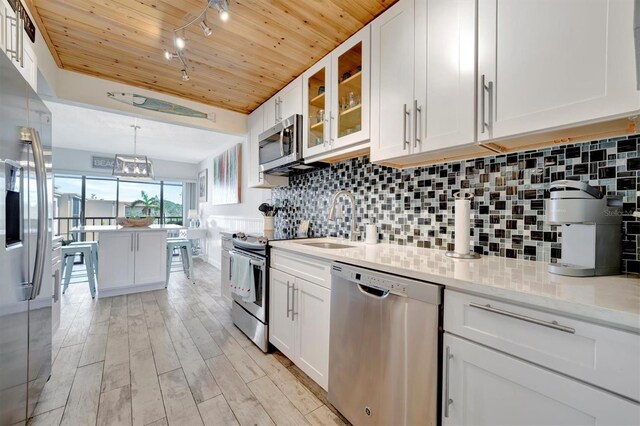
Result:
[131,260]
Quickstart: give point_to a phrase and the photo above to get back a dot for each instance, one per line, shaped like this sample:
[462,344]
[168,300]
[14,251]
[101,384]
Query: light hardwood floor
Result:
[170,357]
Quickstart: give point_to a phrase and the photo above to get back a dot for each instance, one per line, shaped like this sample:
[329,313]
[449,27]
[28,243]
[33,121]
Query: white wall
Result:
[79,162]
[243,217]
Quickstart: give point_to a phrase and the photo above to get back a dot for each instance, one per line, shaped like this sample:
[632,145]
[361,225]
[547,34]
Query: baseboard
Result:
[118,291]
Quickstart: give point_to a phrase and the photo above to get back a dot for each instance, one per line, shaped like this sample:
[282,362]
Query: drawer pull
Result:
[552,324]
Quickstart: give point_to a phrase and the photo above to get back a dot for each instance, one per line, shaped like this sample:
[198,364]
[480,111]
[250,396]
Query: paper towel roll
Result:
[371,231]
[462,222]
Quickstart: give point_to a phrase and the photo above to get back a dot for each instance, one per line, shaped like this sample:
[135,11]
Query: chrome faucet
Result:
[332,211]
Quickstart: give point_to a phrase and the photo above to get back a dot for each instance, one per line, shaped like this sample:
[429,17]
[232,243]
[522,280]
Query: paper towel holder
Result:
[452,254]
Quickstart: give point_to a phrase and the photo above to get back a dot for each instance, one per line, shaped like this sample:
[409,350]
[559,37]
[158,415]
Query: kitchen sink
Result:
[327,245]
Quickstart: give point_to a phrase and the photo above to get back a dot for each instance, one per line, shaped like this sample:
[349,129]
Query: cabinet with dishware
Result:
[16,44]
[299,308]
[567,370]
[256,178]
[423,82]
[336,92]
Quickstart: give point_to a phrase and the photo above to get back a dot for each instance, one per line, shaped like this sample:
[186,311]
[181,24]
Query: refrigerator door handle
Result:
[31,136]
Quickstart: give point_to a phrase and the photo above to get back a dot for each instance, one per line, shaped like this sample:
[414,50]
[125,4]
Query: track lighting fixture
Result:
[206,30]
[179,41]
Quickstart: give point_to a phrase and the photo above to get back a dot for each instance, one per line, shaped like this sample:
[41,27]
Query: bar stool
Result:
[94,250]
[185,253]
[68,254]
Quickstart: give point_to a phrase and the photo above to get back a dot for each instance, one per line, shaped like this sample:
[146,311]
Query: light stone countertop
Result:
[118,228]
[610,300]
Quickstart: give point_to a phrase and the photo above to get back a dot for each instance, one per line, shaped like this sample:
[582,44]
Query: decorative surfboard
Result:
[153,104]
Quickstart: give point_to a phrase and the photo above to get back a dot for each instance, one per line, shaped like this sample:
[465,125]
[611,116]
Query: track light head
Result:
[224,15]
[185,76]
[180,42]
[169,55]
[205,28]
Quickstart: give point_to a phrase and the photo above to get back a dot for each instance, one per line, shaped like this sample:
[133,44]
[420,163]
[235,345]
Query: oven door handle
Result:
[259,264]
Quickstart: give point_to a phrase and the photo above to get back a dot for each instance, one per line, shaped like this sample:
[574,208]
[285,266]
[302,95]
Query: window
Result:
[100,200]
[172,203]
[68,204]
[101,203]
[140,199]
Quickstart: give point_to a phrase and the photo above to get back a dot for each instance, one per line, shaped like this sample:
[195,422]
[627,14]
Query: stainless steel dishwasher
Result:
[384,347]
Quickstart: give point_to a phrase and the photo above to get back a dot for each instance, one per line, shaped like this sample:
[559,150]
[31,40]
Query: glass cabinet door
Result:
[350,115]
[316,103]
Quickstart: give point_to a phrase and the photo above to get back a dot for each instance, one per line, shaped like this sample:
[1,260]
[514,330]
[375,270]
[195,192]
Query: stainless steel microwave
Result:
[280,148]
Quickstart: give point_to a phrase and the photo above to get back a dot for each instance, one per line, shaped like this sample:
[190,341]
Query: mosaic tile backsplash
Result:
[415,206]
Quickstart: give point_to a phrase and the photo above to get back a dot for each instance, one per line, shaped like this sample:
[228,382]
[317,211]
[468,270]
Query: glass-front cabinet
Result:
[336,99]
[350,112]
[317,104]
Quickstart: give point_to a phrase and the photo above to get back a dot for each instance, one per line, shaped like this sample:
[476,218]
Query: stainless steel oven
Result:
[252,317]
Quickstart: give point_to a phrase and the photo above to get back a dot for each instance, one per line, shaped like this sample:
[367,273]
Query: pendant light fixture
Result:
[179,40]
[133,166]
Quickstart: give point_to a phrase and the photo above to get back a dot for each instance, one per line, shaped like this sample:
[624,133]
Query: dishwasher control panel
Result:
[378,282]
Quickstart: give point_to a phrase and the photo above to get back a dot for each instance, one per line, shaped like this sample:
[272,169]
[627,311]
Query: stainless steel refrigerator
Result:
[25,241]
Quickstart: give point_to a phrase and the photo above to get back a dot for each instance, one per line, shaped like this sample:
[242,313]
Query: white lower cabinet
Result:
[131,261]
[486,387]
[299,323]
[117,259]
[225,269]
[150,248]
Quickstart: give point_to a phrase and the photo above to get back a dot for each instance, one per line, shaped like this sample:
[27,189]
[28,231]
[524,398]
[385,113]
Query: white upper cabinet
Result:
[423,79]
[257,179]
[283,104]
[350,90]
[16,44]
[553,63]
[336,99]
[445,74]
[392,81]
[316,100]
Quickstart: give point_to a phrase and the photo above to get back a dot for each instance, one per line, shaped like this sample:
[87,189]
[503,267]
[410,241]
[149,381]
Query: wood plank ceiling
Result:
[263,46]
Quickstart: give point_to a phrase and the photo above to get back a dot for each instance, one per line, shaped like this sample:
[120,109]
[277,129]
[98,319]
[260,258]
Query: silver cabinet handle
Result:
[486,87]
[331,119]
[137,241]
[293,301]
[447,400]
[417,112]
[405,113]
[132,241]
[30,135]
[275,112]
[12,49]
[550,324]
[56,284]
[288,310]
[20,39]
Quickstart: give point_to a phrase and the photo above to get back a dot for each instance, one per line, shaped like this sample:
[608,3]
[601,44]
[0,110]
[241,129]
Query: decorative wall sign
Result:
[226,177]
[158,105]
[203,182]
[102,162]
